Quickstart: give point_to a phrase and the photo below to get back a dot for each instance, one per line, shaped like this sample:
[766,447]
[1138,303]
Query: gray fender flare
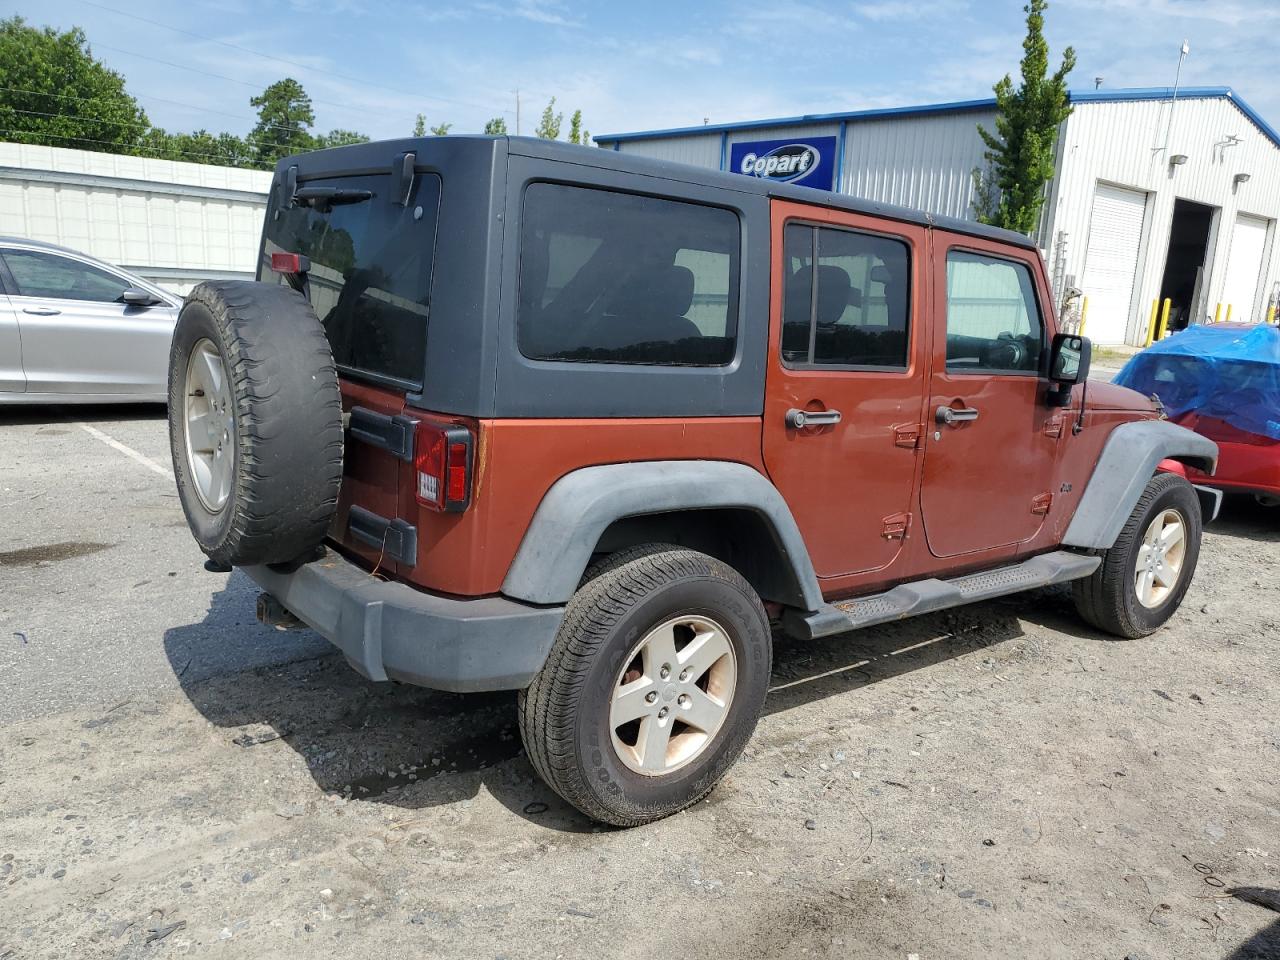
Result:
[1127,464]
[581,505]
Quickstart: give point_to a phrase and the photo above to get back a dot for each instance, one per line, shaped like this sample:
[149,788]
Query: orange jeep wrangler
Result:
[504,414]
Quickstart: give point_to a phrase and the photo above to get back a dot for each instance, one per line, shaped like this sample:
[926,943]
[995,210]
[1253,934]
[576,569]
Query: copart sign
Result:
[808,161]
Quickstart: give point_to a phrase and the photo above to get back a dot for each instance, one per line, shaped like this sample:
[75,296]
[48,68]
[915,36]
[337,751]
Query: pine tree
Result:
[1020,154]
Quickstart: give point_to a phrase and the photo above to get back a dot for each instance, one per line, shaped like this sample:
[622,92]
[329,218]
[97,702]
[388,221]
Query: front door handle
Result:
[947,414]
[798,419]
[41,311]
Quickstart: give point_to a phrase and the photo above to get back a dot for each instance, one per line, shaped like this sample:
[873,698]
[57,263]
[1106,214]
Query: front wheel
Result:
[1144,576]
[652,688]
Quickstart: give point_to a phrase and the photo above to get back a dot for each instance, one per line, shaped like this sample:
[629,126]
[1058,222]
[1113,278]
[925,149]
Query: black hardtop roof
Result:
[377,156]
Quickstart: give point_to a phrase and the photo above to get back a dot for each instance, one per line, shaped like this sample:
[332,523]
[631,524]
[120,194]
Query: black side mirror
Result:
[137,297]
[1068,365]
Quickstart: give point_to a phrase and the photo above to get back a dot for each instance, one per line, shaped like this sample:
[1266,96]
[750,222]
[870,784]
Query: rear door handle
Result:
[945,414]
[41,311]
[798,419]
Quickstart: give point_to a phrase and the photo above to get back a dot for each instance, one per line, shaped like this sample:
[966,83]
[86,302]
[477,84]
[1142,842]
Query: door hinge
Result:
[1040,504]
[907,436]
[1053,427]
[896,526]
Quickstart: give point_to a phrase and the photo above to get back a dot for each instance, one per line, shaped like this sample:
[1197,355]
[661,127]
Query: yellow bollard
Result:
[1217,313]
[1084,315]
[1164,319]
[1151,324]
[1228,320]
[1271,314]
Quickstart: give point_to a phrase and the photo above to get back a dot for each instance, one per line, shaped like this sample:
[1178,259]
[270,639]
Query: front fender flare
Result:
[581,505]
[1128,462]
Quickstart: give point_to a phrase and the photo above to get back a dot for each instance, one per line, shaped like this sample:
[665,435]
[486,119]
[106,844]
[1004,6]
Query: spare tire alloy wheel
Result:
[668,705]
[210,434]
[1160,558]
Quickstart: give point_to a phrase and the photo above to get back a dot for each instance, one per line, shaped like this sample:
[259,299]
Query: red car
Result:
[1223,382]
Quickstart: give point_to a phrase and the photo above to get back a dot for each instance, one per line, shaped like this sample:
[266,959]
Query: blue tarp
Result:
[1231,373]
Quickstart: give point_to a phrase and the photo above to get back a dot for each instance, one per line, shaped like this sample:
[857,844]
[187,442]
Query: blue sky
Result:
[371,65]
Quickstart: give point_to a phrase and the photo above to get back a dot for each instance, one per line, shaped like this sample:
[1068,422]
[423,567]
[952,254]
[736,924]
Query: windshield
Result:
[369,278]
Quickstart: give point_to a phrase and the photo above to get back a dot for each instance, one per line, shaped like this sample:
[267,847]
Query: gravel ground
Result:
[993,781]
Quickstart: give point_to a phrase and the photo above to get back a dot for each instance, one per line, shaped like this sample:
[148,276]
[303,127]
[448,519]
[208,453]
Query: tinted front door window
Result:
[618,278]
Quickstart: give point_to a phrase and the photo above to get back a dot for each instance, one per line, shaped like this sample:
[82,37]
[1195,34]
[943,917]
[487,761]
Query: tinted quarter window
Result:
[617,278]
[993,319]
[370,275]
[846,298]
[40,274]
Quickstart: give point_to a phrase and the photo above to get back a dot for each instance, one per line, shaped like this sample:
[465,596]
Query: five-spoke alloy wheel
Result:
[669,703]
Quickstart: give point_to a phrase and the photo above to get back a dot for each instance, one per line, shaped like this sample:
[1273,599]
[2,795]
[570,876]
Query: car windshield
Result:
[370,267]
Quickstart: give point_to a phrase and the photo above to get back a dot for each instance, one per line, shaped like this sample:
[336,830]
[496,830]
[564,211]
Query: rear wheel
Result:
[652,688]
[1146,573]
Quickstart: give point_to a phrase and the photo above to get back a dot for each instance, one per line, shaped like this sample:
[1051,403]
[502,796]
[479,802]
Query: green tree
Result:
[441,129]
[1020,154]
[56,93]
[420,126]
[497,127]
[284,123]
[223,149]
[339,138]
[575,128]
[549,125]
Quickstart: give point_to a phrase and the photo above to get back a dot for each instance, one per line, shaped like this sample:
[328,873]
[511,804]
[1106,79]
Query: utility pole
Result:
[517,111]
[1177,78]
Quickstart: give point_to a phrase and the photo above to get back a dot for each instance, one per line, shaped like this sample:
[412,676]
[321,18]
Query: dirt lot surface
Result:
[997,781]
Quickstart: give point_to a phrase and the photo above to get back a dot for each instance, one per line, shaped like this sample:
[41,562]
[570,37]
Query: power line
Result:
[249,141]
[293,63]
[179,103]
[246,83]
[111,143]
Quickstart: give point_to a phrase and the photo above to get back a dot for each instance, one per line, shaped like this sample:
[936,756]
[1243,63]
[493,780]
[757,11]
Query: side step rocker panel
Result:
[926,596]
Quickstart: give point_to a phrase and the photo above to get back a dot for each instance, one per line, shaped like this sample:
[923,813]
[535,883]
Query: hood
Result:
[1109,396]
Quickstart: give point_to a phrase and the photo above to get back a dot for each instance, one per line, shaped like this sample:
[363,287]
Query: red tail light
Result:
[442,459]
[290,263]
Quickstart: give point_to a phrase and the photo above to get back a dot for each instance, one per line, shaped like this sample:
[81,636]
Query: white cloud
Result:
[882,11]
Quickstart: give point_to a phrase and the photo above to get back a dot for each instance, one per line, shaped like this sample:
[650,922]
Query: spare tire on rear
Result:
[255,422]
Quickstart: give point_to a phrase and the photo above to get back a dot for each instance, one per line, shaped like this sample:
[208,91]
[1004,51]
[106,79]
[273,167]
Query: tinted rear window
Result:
[370,275]
[618,278]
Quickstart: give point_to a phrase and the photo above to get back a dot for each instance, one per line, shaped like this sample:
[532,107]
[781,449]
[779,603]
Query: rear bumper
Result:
[390,631]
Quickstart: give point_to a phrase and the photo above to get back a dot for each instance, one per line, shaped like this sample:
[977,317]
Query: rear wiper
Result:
[324,197]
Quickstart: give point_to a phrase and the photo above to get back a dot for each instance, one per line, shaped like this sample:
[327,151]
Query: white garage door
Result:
[1244,265]
[1111,262]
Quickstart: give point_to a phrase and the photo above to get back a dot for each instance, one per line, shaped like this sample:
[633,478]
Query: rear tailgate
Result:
[361,248]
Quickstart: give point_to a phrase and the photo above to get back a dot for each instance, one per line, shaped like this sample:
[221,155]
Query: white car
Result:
[76,330]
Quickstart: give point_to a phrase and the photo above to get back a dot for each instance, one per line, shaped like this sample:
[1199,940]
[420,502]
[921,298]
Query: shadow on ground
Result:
[1245,518]
[1265,944]
[414,748]
[75,413]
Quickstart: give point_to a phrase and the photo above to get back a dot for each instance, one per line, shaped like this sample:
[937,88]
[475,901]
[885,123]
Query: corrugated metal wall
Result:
[914,161]
[923,162]
[173,223]
[701,151]
[1116,143]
